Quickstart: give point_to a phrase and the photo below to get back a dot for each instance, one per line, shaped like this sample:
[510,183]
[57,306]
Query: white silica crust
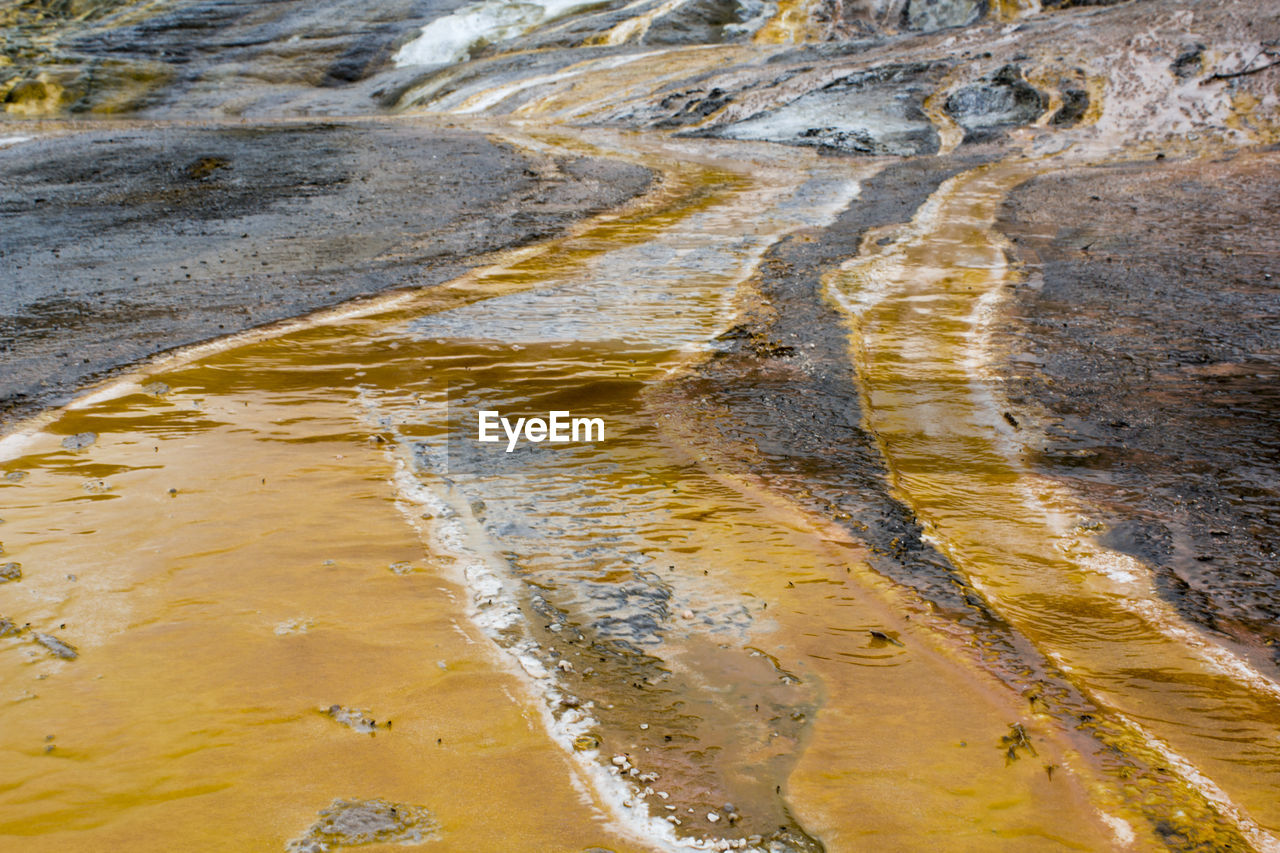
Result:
[452,38]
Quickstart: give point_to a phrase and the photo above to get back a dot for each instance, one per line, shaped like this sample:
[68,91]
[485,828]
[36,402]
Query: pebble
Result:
[79,441]
[63,650]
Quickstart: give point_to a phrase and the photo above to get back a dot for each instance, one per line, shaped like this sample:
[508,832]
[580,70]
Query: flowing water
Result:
[628,585]
[275,594]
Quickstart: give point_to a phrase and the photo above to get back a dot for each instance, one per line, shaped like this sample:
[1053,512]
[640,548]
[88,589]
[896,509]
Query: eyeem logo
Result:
[556,427]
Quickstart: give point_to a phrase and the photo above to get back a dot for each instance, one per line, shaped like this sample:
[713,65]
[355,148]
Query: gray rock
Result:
[66,651]
[928,15]
[709,22]
[1075,102]
[349,823]
[1189,63]
[80,440]
[1002,100]
[869,112]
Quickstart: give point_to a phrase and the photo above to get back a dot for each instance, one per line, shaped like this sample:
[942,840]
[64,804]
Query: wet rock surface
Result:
[876,112]
[930,15]
[660,729]
[651,677]
[127,239]
[1004,99]
[1145,345]
[778,401]
[782,384]
[119,244]
[354,823]
[83,58]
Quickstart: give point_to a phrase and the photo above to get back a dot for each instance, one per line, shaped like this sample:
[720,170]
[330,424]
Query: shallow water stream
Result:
[628,585]
[272,592]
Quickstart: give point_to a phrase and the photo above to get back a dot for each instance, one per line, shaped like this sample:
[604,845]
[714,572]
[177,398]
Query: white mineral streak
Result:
[492,97]
[1123,831]
[633,29]
[446,523]
[878,274]
[1261,840]
[453,37]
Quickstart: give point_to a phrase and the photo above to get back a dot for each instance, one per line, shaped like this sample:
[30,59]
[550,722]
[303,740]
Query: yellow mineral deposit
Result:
[260,579]
[260,632]
[919,305]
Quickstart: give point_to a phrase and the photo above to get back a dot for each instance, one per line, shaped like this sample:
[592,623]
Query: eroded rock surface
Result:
[354,823]
[1148,340]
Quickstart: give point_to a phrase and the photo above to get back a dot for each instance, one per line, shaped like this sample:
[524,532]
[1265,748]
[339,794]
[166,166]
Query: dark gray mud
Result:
[1146,346]
[118,244]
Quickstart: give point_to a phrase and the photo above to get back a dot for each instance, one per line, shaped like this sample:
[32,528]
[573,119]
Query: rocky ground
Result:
[1149,280]
[276,159]
[118,244]
[1148,343]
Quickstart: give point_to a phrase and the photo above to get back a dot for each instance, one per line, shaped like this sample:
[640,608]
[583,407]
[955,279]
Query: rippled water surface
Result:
[272,593]
[654,614]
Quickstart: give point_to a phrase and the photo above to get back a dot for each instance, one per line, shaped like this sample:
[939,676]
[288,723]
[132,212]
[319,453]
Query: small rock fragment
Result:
[351,823]
[10,572]
[353,718]
[884,637]
[63,650]
[80,440]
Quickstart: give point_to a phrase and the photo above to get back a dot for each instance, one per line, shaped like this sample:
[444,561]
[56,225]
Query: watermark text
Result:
[556,427]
